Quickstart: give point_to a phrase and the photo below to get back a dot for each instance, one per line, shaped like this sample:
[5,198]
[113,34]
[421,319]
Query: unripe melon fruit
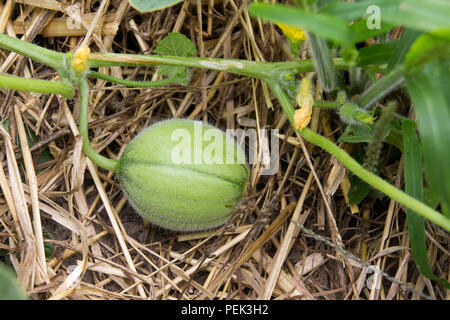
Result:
[184,175]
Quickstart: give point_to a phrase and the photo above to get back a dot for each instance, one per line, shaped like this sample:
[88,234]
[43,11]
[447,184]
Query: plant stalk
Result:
[98,159]
[131,83]
[45,56]
[259,70]
[33,85]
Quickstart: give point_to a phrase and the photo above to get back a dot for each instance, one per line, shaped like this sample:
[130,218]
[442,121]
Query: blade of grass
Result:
[414,187]
[428,47]
[377,54]
[415,14]
[401,48]
[326,26]
[381,88]
[428,88]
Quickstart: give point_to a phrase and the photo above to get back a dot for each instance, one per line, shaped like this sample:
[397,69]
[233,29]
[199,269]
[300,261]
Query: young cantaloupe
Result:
[184,175]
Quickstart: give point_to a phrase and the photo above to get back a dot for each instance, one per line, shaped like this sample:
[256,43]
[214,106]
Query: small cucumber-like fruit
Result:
[184,175]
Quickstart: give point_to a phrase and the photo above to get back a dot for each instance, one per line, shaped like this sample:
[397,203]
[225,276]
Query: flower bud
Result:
[351,114]
[184,175]
[79,62]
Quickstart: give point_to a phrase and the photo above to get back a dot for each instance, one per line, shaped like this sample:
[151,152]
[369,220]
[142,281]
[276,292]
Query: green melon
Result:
[184,175]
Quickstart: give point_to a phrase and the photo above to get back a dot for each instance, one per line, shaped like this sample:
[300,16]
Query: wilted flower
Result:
[305,101]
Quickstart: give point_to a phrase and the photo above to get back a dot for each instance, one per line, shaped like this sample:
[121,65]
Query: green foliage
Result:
[377,54]
[414,187]
[9,288]
[428,88]
[421,15]
[355,133]
[428,47]
[323,25]
[358,188]
[351,114]
[401,48]
[48,247]
[175,44]
[152,5]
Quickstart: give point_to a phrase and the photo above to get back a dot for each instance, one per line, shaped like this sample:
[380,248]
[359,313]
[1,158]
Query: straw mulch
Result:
[95,246]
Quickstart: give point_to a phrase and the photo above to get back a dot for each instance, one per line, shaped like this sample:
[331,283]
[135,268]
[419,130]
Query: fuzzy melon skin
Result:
[181,197]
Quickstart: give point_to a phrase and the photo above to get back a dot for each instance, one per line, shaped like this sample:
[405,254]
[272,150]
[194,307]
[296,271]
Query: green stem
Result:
[260,70]
[45,56]
[101,161]
[33,85]
[243,67]
[326,104]
[340,100]
[356,168]
[131,83]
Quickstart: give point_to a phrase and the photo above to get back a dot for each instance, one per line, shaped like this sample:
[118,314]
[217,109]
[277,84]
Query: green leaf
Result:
[32,138]
[360,31]
[324,25]
[48,247]
[414,187]
[419,15]
[402,47]
[358,188]
[175,44]
[349,11]
[9,288]
[428,88]
[354,133]
[428,47]
[377,54]
[430,198]
[152,5]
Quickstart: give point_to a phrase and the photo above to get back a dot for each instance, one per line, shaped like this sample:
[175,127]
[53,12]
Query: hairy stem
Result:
[260,70]
[131,83]
[33,85]
[45,56]
[101,161]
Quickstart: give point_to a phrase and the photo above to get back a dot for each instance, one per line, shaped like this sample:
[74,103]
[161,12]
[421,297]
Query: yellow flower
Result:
[79,62]
[294,34]
[305,101]
[302,117]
